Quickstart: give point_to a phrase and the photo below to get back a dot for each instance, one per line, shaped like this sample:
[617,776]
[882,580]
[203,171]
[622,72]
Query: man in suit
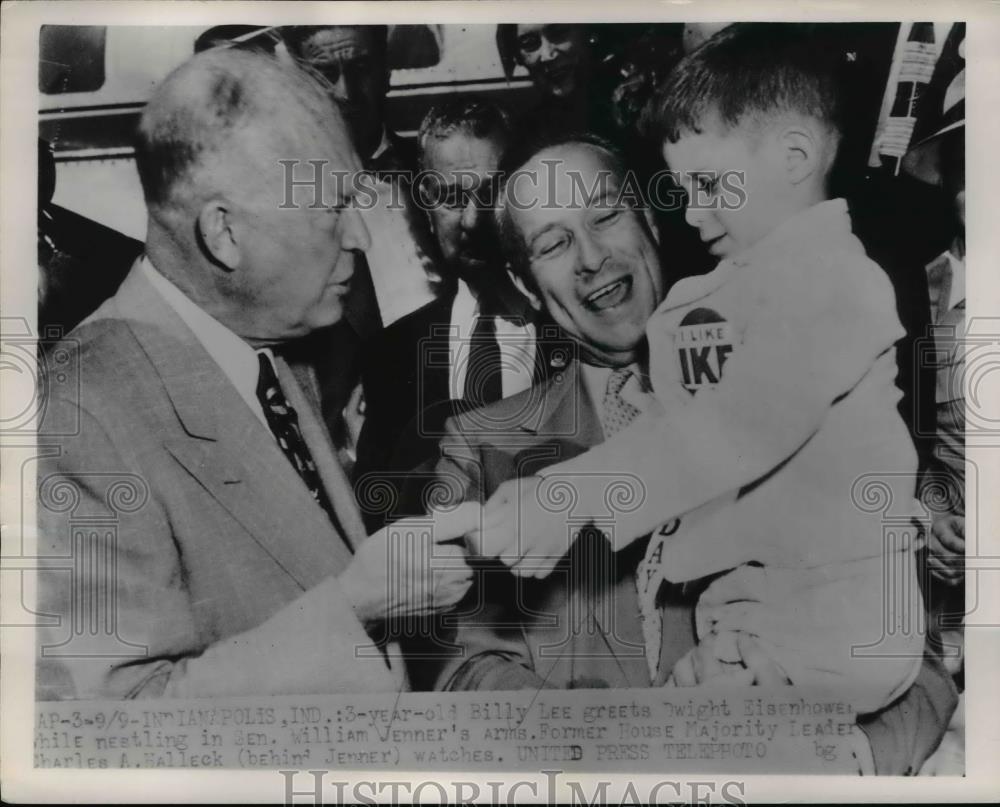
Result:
[591,260]
[228,557]
[473,345]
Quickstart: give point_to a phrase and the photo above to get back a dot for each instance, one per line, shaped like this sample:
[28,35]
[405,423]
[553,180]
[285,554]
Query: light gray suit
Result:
[194,545]
[579,627]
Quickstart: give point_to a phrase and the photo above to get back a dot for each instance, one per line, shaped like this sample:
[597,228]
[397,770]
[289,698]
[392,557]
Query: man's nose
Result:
[547,52]
[471,215]
[342,88]
[694,215]
[593,253]
[355,232]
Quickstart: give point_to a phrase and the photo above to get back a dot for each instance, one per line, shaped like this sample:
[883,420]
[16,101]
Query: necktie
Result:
[617,413]
[284,424]
[483,378]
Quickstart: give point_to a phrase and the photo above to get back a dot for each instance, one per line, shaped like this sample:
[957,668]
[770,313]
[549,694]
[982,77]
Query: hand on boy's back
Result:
[946,550]
[521,531]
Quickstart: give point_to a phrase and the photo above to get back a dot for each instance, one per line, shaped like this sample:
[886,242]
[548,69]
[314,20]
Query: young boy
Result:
[780,448]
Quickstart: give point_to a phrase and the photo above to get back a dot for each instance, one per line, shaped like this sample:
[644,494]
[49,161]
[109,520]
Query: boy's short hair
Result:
[748,72]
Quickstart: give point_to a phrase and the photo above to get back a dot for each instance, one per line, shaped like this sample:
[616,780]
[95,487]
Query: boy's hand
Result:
[521,531]
[946,548]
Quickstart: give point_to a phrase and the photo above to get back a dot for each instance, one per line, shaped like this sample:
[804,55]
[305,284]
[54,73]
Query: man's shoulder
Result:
[518,414]
[99,346]
[395,347]
[100,372]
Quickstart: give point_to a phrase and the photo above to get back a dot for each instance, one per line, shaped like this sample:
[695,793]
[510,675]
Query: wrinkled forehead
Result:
[338,44]
[568,178]
[462,151]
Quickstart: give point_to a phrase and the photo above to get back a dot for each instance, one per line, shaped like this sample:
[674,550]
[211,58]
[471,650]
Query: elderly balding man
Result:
[199,535]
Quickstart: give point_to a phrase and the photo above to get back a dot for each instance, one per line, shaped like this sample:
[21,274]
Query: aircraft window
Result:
[71,58]
[412,47]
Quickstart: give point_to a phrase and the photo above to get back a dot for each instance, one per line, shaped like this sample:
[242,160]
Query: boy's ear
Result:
[801,151]
[217,235]
[522,287]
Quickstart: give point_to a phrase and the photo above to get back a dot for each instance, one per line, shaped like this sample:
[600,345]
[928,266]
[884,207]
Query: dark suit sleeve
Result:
[379,379]
[904,734]
[493,654]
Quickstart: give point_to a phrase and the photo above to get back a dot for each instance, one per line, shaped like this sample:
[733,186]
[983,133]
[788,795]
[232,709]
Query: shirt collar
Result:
[383,145]
[823,223]
[234,356]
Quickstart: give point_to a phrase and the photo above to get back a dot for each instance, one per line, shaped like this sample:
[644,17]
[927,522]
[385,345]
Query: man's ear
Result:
[800,151]
[522,287]
[654,230]
[215,231]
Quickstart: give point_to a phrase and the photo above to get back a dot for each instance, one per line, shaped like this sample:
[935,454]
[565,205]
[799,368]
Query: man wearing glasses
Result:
[476,343]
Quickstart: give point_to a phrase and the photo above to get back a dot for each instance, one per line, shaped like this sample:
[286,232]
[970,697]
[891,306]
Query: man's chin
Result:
[470,267]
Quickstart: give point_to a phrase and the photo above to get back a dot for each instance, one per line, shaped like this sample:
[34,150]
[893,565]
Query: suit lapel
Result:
[223,445]
[567,411]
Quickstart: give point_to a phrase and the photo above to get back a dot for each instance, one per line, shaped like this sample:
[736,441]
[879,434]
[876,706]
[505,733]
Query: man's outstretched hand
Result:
[409,569]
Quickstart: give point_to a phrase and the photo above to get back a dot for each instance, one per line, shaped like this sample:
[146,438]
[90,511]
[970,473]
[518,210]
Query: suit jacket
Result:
[405,373]
[183,555]
[580,627]
[404,370]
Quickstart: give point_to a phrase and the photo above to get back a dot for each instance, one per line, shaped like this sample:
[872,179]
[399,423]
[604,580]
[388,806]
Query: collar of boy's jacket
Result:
[821,224]
[817,227]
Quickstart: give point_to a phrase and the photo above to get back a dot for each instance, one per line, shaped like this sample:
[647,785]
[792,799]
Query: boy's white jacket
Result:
[805,410]
[796,458]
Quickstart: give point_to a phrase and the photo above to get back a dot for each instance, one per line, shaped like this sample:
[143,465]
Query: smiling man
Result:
[586,252]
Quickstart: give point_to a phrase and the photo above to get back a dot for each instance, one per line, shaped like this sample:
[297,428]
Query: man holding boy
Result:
[727,445]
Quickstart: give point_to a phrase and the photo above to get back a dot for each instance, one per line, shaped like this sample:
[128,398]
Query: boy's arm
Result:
[798,357]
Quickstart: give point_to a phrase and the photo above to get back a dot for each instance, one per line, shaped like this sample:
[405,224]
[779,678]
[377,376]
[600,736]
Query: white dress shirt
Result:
[237,360]
[515,337]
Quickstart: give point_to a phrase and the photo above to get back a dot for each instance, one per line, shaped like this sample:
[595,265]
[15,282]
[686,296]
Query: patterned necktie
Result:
[483,378]
[617,413]
[284,423]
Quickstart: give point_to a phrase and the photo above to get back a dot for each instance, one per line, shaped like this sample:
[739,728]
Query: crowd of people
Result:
[586,439]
